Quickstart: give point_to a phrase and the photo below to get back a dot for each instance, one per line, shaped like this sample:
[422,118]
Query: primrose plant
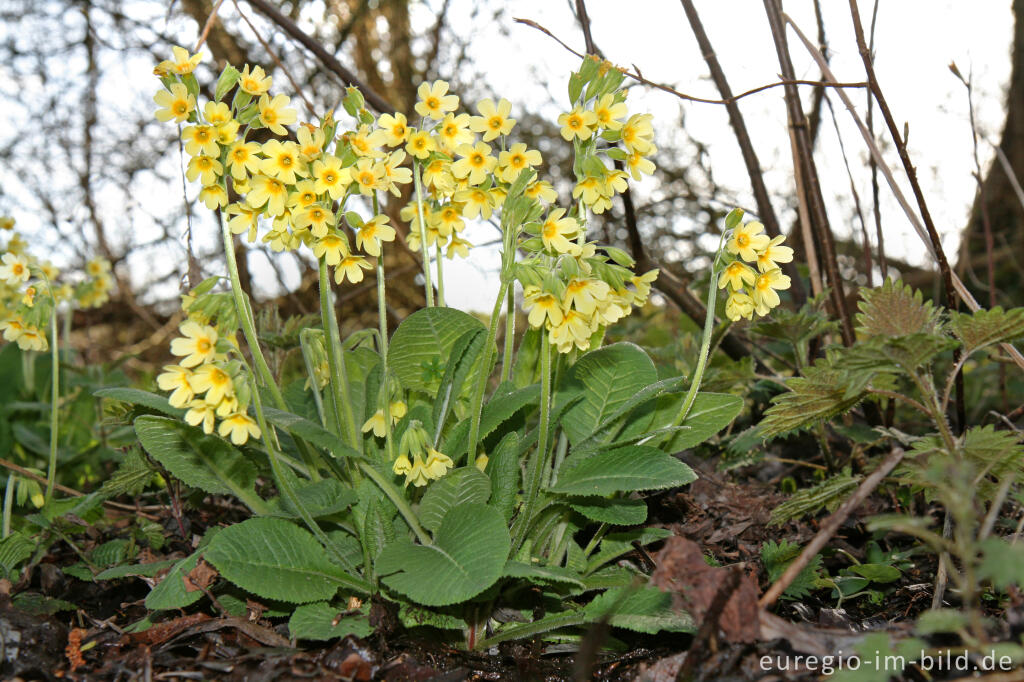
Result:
[455,481]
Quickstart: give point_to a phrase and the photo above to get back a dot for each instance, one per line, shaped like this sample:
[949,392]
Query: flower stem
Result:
[382,319]
[477,406]
[440,276]
[51,474]
[510,333]
[702,360]
[5,529]
[314,384]
[336,362]
[427,286]
[536,465]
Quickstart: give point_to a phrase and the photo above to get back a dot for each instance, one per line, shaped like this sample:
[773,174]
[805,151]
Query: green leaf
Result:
[499,409]
[133,570]
[198,460]
[828,494]
[311,432]
[894,309]
[227,79]
[465,351]
[170,593]
[641,397]
[984,328]
[647,610]
[39,605]
[467,557]
[812,398]
[139,397]
[634,467]
[503,470]
[413,616]
[778,557]
[467,485]
[538,572]
[877,573]
[320,498]
[275,559]
[607,378]
[940,620]
[733,218]
[615,545]
[616,511]
[426,335]
[14,549]
[132,474]
[1002,563]
[711,412]
[319,621]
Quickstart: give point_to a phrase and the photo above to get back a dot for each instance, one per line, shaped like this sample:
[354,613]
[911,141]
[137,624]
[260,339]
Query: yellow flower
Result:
[589,190]
[438,175]
[394,174]
[175,103]
[437,464]
[6,222]
[643,285]
[638,165]
[372,233]
[636,134]
[304,196]
[227,132]
[331,177]
[434,102]
[177,379]
[12,327]
[317,218]
[512,162]
[205,168]
[608,111]
[245,220]
[476,202]
[739,305]
[270,192]
[747,241]
[239,426]
[200,139]
[735,274]
[774,254]
[458,246]
[274,115]
[454,131]
[414,471]
[556,229]
[541,190]
[216,113]
[368,176]
[31,338]
[254,82]
[242,159]
[584,294]
[448,220]
[197,344]
[332,247]
[542,307]
[764,290]
[396,409]
[574,330]
[351,268]
[578,123]
[181,64]
[15,269]
[97,267]
[493,120]
[213,196]
[282,161]
[395,127]
[311,141]
[420,144]
[213,381]
[367,142]
[201,412]
[29,297]
[476,164]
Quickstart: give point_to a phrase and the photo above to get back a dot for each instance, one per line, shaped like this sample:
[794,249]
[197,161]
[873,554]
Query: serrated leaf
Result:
[634,467]
[637,400]
[615,545]
[647,610]
[413,616]
[467,485]
[170,593]
[319,621]
[606,378]
[828,494]
[538,572]
[136,396]
[39,605]
[503,470]
[132,474]
[111,553]
[320,498]
[197,460]
[812,398]
[894,309]
[275,559]
[467,557]
[778,557]
[615,511]
[310,431]
[711,412]
[14,549]
[133,570]
[465,351]
[426,335]
[984,328]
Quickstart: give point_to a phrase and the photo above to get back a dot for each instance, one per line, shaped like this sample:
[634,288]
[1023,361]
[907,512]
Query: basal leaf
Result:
[275,559]
[503,470]
[607,378]
[499,409]
[311,432]
[424,340]
[138,397]
[634,467]
[615,511]
[320,621]
[615,545]
[198,460]
[711,412]
[460,486]
[647,610]
[538,572]
[320,498]
[170,593]
[467,557]
[465,351]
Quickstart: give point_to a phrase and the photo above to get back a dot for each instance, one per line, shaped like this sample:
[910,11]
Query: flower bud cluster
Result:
[753,291]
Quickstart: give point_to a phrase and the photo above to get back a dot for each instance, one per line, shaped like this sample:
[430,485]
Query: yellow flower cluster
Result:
[418,460]
[30,288]
[748,242]
[207,384]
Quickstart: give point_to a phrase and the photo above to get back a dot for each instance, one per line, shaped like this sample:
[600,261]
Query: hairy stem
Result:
[396,499]
[427,286]
[510,334]
[536,464]
[51,474]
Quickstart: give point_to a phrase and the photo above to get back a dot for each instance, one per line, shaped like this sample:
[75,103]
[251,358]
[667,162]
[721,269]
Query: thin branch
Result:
[689,98]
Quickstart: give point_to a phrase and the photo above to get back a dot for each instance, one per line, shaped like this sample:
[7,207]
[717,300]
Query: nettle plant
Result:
[494,502]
